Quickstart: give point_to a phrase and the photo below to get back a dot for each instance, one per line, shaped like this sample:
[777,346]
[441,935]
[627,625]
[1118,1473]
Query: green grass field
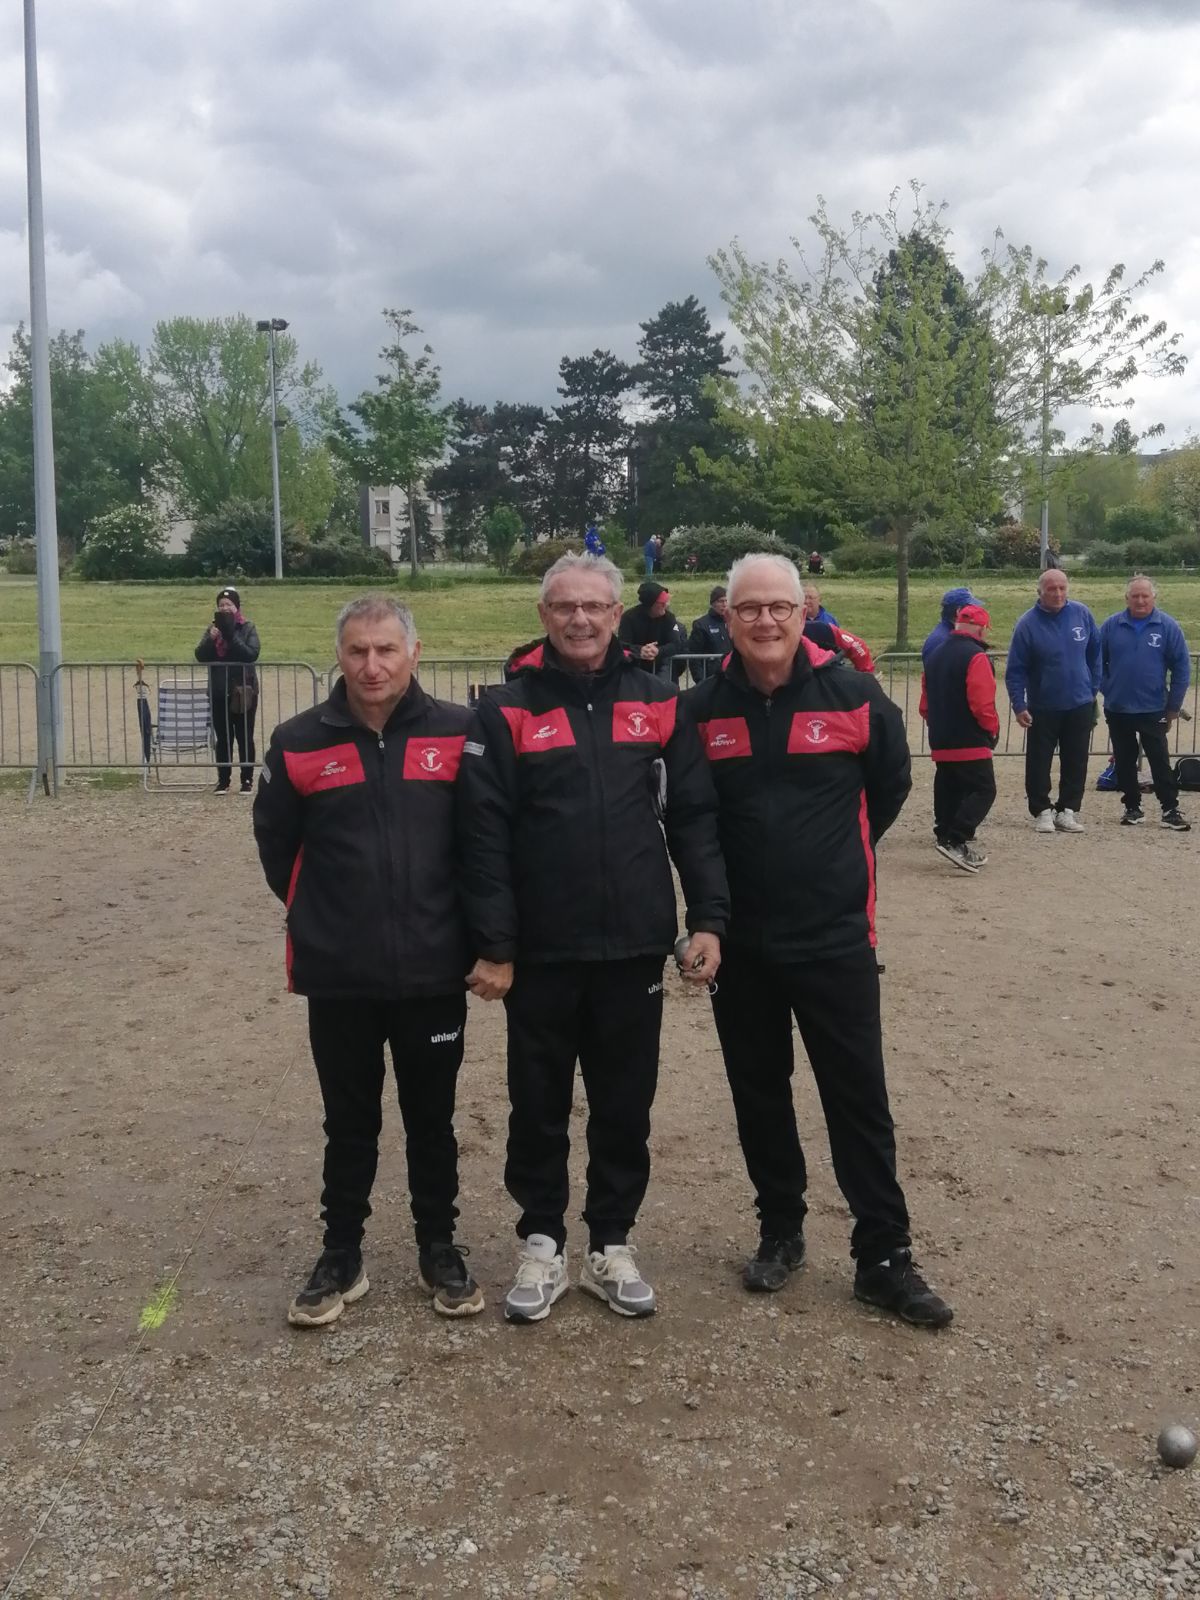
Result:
[111,622]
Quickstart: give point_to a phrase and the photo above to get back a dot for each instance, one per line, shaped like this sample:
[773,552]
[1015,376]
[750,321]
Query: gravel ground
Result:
[160,1112]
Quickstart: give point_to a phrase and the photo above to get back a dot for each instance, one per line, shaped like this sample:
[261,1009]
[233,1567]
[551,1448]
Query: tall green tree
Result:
[493,458]
[397,432]
[581,454]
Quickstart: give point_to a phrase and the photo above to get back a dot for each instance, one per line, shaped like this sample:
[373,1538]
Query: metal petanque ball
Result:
[1177,1446]
[681,945]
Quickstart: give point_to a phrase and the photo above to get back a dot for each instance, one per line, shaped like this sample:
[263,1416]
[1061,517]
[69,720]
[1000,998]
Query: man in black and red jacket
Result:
[571,907]
[958,701]
[355,825]
[811,766]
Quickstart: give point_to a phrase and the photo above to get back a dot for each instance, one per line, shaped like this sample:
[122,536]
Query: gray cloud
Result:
[533,180]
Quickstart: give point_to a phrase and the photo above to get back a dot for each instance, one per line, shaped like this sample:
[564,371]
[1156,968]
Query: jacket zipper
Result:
[393,920]
[602,830]
[766,877]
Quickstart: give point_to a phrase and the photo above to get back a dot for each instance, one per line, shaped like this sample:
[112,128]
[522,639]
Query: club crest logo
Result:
[1079,633]
[638,724]
[431,758]
[815,732]
[1155,641]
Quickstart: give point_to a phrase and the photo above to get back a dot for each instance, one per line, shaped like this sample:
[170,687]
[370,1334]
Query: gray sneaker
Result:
[611,1275]
[541,1280]
[336,1281]
[957,854]
[973,855]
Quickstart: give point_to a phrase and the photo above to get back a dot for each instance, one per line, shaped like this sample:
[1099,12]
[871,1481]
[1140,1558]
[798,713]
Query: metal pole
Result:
[45,510]
[275,460]
[1044,541]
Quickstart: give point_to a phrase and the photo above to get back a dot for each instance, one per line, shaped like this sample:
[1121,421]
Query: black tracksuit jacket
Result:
[638,627]
[807,781]
[563,857]
[355,831]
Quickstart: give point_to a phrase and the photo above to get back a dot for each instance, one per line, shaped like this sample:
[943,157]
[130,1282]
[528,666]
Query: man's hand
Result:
[648,652]
[1170,717]
[701,958]
[490,980]
[1025,719]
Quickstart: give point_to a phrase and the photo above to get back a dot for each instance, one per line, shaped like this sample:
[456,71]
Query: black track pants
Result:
[1070,733]
[1127,729]
[963,794]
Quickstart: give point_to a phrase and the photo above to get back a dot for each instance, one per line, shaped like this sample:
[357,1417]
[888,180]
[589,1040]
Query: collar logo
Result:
[431,759]
[815,733]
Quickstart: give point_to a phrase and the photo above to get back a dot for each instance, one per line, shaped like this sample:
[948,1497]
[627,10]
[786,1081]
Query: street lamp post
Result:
[271,327]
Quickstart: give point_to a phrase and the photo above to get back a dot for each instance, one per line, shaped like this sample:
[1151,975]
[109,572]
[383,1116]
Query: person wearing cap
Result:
[230,644]
[952,603]
[710,635]
[1052,675]
[650,629]
[958,701]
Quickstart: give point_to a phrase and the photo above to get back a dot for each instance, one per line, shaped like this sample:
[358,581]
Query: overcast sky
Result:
[534,177]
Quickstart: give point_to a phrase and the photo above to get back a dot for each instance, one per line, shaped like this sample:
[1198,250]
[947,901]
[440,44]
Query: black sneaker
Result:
[221,788]
[769,1268]
[1175,820]
[896,1285]
[1133,817]
[246,786]
[337,1280]
[444,1275]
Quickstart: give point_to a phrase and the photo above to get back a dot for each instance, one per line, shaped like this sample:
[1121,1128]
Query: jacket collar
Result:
[808,657]
[541,656]
[337,713]
[1155,616]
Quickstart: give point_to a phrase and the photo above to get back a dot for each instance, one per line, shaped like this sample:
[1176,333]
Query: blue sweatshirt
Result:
[936,639]
[1137,661]
[1054,659]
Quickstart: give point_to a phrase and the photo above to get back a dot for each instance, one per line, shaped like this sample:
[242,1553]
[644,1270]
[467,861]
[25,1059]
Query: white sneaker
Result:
[611,1275]
[1068,822]
[1044,822]
[541,1280]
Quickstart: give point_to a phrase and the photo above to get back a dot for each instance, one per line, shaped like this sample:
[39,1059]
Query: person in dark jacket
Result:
[811,767]
[230,643]
[650,629]
[570,904]
[1052,674]
[828,636]
[1145,672]
[952,603]
[710,635]
[958,701]
[355,825]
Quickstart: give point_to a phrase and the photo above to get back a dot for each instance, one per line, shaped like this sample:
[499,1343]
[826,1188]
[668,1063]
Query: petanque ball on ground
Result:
[1177,1446]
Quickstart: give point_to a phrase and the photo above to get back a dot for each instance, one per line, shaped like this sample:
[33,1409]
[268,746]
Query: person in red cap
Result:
[958,701]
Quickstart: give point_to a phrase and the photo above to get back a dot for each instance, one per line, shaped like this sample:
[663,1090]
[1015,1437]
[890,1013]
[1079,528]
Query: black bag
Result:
[1187,772]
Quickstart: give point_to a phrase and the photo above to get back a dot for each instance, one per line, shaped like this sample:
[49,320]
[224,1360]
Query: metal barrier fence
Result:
[19,693]
[157,716]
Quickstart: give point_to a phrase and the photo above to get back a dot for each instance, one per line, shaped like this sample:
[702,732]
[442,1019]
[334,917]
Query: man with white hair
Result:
[811,767]
[354,821]
[1146,669]
[571,907]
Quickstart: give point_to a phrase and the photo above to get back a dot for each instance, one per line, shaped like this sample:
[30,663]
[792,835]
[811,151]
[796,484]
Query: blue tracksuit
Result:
[1137,661]
[1054,659]
[936,639]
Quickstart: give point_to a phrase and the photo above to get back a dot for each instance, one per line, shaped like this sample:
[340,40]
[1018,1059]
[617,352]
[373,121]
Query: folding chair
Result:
[183,726]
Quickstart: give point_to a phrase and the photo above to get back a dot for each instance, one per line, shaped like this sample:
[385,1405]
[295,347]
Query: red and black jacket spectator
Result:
[833,638]
[563,858]
[958,700]
[354,830]
[807,781]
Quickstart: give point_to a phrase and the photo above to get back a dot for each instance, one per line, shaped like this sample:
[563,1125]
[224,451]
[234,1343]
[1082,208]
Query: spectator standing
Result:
[571,906]
[958,700]
[230,644]
[814,611]
[1145,672]
[710,634]
[811,767]
[592,542]
[355,825]
[651,629]
[1052,675]
[952,603]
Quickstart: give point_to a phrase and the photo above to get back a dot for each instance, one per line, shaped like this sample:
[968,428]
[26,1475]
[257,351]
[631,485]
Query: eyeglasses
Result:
[564,610]
[751,610]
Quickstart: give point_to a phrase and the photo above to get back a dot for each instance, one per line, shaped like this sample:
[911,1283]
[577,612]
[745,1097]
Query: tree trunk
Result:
[412,528]
[903,529]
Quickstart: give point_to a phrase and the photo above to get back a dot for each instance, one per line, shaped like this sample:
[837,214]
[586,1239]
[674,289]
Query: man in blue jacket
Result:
[1052,677]
[1146,670]
[952,603]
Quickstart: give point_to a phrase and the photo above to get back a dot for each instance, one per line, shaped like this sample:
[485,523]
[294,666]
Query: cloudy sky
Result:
[533,177]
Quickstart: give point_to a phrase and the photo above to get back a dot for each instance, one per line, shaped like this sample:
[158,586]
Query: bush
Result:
[1150,524]
[1141,554]
[21,560]
[1014,544]
[537,559]
[1105,556]
[126,542]
[936,546]
[238,540]
[335,553]
[1183,549]
[716,549]
[863,555]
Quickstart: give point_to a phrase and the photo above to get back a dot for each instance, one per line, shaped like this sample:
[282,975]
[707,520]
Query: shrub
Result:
[335,553]
[716,549]
[21,560]
[933,545]
[1151,524]
[536,559]
[126,542]
[238,540]
[1105,556]
[1013,544]
[502,528]
[1183,549]
[1143,553]
[863,555]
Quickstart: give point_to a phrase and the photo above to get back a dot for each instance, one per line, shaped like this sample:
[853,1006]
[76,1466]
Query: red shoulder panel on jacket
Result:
[311,771]
[636,722]
[533,732]
[829,732]
[724,737]
[438,757]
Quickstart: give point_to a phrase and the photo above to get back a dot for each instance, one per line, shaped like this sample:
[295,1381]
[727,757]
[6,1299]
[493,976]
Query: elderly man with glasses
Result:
[811,766]
[570,904]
